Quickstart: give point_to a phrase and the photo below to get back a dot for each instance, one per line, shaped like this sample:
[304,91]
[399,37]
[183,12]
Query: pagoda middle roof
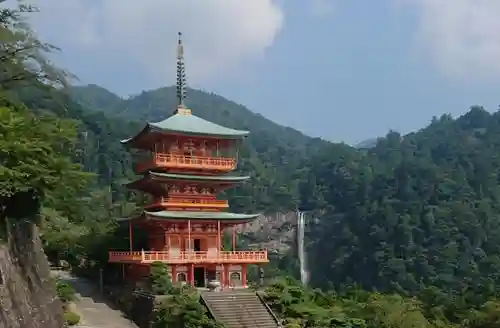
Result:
[228,178]
[188,124]
[197,215]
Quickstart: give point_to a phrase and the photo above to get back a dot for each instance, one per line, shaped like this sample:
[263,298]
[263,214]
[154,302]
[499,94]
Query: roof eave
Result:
[130,141]
[238,135]
[245,217]
[238,179]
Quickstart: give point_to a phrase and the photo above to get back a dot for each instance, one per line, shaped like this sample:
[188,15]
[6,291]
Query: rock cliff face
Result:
[27,292]
[274,231]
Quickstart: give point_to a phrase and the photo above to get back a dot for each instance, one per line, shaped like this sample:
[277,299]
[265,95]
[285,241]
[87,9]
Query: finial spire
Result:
[181,73]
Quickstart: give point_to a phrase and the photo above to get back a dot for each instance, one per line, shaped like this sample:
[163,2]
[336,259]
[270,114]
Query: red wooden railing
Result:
[188,162]
[178,202]
[189,257]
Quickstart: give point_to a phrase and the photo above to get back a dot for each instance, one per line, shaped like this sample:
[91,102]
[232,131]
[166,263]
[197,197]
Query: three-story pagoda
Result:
[189,164]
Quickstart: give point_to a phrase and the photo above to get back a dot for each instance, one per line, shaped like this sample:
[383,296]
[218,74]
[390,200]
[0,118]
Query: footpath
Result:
[94,310]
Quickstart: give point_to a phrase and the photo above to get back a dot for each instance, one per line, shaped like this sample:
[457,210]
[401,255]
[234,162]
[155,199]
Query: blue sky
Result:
[345,70]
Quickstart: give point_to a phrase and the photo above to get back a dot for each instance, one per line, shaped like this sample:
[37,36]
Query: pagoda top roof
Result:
[228,178]
[185,123]
[197,215]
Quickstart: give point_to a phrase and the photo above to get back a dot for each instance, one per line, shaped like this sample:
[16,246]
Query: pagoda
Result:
[188,163]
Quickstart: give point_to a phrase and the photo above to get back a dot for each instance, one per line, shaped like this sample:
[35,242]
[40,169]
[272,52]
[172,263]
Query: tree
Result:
[23,56]
[182,310]
[32,156]
[159,279]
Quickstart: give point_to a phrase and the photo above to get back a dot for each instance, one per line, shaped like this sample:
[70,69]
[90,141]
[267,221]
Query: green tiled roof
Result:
[190,125]
[185,215]
[228,178]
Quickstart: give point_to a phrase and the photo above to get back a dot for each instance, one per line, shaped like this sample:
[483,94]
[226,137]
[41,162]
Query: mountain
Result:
[365,144]
[273,154]
[411,212]
[416,214]
[94,97]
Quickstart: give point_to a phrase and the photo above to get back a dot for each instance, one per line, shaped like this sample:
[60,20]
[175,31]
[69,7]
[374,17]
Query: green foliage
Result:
[65,292]
[300,307]
[24,58]
[31,148]
[159,279]
[304,308]
[71,318]
[413,213]
[182,310]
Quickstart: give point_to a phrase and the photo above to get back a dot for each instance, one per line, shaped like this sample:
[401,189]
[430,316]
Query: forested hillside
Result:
[411,212]
[272,155]
[417,215]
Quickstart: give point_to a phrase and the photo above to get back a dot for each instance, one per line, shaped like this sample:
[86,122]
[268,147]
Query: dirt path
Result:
[95,311]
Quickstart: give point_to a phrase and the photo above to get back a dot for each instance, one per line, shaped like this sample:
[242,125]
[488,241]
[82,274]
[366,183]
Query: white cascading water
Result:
[301,251]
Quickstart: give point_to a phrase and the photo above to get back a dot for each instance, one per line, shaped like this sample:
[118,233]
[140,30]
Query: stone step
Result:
[223,304]
[234,300]
[239,309]
[255,316]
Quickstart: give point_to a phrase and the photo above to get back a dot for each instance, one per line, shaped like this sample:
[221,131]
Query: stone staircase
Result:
[239,309]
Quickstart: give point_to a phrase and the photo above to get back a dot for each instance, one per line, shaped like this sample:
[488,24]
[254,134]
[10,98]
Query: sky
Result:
[343,70]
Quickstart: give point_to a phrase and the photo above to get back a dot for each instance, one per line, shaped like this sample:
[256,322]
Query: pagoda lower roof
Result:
[211,178]
[184,123]
[195,215]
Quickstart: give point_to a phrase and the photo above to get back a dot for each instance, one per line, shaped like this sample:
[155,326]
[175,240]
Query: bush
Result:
[65,292]
[292,325]
[159,279]
[71,318]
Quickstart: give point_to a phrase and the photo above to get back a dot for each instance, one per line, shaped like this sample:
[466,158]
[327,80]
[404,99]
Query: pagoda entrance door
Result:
[197,245]
[199,277]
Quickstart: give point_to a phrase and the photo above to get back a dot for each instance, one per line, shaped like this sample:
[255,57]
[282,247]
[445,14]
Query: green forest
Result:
[405,234]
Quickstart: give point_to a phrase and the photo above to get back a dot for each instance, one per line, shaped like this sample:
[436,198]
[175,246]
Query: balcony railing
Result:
[188,203]
[184,257]
[188,162]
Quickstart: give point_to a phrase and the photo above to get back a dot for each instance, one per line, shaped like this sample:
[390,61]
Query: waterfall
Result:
[300,247]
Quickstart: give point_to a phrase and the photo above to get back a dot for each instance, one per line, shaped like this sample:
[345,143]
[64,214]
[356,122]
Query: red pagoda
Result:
[189,163]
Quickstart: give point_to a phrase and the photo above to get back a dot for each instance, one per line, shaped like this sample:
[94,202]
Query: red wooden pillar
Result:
[174,274]
[219,239]
[243,275]
[189,236]
[191,275]
[223,276]
[226,276]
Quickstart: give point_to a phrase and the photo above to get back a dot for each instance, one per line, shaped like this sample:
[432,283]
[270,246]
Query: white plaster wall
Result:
[212,246]
[175,246]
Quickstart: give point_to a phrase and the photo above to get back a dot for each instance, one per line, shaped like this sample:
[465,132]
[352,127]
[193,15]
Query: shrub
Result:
[71,318]
[159,279]
[292,325]
[65,292]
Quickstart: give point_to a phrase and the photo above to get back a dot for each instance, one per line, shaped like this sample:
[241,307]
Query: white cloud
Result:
[219,35]
[462,37]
